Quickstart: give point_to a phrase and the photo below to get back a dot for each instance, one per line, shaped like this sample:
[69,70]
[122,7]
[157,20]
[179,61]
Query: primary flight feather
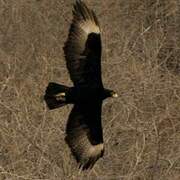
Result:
[82,50]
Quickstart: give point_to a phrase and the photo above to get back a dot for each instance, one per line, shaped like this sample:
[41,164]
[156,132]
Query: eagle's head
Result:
[113,94]
[110,93]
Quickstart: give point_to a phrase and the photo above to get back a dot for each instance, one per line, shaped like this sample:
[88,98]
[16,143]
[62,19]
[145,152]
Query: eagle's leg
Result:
[61,96]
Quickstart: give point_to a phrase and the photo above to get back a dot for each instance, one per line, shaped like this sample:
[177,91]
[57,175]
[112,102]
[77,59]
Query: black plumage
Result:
[83,60]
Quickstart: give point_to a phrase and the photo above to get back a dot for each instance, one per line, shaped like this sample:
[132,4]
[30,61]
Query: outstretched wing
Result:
[83,47]
[84,134]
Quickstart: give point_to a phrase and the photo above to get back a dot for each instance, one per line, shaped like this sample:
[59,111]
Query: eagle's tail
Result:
[55,95]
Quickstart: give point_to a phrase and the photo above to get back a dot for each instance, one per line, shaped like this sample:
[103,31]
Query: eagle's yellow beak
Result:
[114,95]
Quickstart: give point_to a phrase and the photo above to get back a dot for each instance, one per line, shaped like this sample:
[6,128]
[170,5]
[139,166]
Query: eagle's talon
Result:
[61,96]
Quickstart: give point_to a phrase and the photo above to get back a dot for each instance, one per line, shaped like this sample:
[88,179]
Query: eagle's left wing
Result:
[84,133]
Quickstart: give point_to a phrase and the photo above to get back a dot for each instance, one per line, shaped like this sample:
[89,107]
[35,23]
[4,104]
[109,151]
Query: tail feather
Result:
[55,95]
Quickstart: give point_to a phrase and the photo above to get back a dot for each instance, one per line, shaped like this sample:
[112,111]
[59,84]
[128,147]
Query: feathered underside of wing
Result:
[85,18]
[83,46]
[86,145]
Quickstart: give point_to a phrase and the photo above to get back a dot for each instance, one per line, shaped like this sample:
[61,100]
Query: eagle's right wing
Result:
[84,134]
[83,47]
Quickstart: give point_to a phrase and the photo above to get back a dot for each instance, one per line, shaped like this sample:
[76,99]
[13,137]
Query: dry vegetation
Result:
[141,60]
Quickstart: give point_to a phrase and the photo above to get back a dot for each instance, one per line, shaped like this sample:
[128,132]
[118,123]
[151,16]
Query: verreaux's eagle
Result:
[83,59]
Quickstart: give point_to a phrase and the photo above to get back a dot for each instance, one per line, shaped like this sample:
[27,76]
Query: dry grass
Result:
[141,60]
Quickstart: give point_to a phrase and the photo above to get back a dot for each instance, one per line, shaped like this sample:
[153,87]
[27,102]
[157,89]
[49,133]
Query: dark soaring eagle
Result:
[82,51]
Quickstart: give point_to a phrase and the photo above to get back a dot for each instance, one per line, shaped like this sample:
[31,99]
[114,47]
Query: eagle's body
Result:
[83,60]
[81,95]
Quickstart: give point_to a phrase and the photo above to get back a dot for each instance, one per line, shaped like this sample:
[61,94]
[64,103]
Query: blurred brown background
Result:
[141,61]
